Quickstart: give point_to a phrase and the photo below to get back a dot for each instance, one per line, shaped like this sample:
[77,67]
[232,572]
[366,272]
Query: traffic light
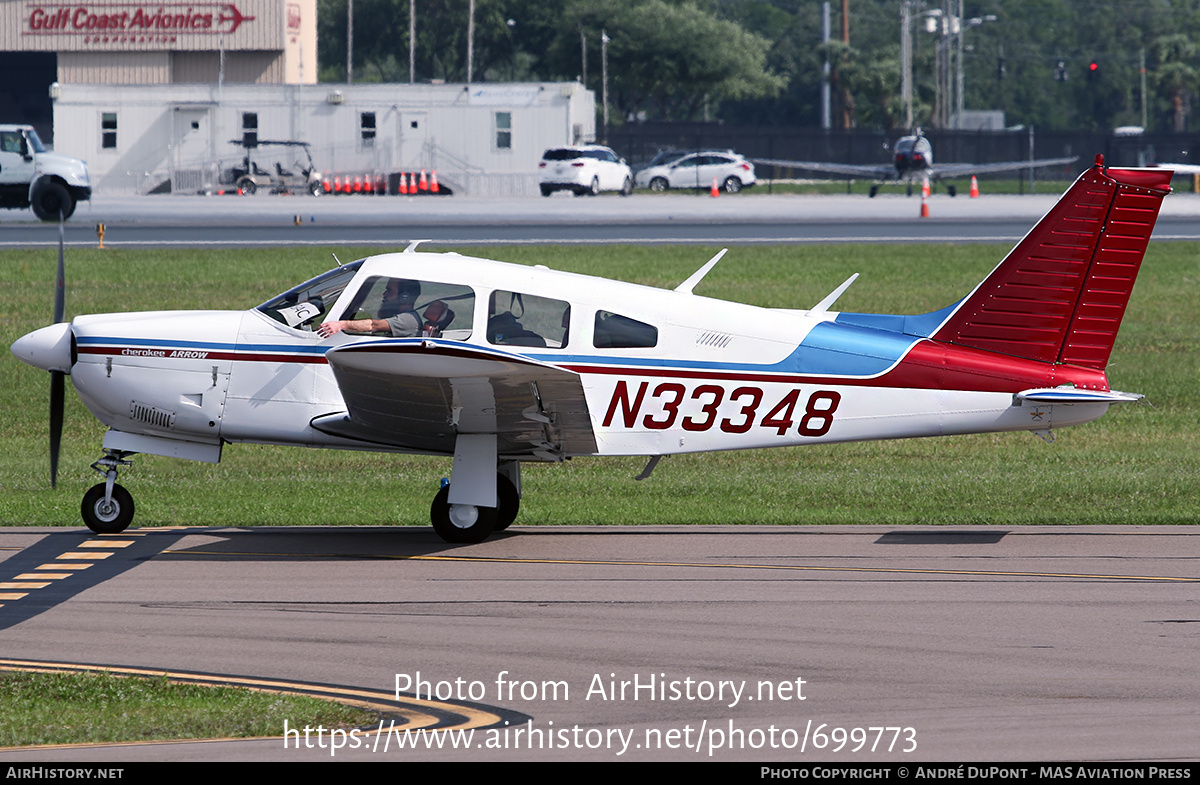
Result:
[1060,71]
[1093,71]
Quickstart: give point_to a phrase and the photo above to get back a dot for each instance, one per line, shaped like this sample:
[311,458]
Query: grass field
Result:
[81,708]
[1137,465]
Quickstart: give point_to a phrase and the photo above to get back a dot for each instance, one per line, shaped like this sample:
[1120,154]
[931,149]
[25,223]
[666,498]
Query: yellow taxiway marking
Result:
[8,595]
[84,556]
[23,585]
[43,576]
[54,566]
[731,566]
[813,568]
[106,543]
[410,709]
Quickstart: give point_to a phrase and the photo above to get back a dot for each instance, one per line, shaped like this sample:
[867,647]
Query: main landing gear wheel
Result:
[460,523]
[508,502]
[107,517]
[469,524]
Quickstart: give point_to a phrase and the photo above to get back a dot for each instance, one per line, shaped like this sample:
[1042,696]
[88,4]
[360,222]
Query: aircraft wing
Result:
[419,394]
[875,172]
[1180,168]
[965,170]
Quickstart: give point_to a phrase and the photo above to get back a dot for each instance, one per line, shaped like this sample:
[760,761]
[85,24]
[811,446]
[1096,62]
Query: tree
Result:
[1176,75]
[667,60]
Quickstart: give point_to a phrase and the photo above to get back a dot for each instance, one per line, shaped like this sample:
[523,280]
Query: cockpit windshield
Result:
[307,304]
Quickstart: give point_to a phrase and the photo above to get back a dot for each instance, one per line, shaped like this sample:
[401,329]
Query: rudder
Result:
[1060,294]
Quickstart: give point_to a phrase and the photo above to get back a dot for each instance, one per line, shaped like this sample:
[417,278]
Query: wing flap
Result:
[419,394]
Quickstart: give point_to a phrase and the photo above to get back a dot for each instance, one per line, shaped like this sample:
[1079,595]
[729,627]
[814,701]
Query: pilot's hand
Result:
[329,328]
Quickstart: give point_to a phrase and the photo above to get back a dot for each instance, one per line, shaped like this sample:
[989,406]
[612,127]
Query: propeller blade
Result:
[57,384]
[57,380]
[60,282]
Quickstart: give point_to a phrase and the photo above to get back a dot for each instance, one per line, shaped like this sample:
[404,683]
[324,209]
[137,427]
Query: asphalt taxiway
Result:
[1034,643]
[265,220]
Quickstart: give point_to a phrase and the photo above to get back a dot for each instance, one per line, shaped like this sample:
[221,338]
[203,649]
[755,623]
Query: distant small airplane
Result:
[913,161]
[497,364]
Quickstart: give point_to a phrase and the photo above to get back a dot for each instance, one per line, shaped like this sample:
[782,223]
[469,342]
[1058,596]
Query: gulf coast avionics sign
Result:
[122,20]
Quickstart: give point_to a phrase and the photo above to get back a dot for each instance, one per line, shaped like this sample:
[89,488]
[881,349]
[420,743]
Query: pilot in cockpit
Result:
[397,313]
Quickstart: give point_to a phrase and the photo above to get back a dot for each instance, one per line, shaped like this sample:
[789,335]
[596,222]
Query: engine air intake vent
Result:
[151,415]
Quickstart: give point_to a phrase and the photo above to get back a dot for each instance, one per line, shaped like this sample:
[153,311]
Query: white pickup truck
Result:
[32,176]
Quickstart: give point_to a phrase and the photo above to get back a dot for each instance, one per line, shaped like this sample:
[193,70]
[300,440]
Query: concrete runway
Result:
[162,221]
[990,644]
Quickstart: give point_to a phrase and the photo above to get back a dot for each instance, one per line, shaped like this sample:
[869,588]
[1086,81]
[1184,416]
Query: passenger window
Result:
[415,307]
[516,319]
[614,331]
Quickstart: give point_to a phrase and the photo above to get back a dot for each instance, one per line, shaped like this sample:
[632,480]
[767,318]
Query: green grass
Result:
[81,708]
[1137,465]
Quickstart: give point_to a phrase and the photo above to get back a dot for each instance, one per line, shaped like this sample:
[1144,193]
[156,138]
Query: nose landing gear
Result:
[107,507]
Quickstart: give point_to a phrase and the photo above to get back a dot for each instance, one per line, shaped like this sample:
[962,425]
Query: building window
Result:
[503,130]
[108,130]
[249,129]
[366,128]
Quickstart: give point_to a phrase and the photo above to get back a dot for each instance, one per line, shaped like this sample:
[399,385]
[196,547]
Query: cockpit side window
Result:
[307,304]
[415,307]
[614,331]
[516,319]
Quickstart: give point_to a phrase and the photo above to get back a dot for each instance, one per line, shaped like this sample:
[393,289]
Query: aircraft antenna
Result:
[832,297]
[687,286]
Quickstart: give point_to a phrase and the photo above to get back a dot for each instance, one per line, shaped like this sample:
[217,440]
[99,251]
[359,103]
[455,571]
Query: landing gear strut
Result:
[470,508]
[107,507]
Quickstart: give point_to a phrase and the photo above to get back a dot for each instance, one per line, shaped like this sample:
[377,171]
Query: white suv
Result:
[587,169]
[697,170]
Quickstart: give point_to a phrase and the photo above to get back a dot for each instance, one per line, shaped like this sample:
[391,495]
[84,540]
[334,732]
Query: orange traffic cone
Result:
[715,191]
[974,187]
[433,186]
[925,188]
[337,183]
[325,183]
[424,184]
[403,184]
[924,205]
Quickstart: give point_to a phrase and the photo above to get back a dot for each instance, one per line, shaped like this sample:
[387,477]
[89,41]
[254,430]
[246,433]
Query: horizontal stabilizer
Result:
[1060,295]
[1074,395]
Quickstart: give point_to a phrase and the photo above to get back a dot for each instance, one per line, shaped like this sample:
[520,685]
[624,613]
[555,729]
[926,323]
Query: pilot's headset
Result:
[407,292]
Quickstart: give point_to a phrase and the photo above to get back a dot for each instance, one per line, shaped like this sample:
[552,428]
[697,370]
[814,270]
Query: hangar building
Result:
[158,95]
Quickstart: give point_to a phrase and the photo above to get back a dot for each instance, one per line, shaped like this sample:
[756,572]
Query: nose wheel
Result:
[107,507]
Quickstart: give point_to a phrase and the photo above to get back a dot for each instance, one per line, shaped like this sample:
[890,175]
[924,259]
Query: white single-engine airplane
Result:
[912,161]
[499,363]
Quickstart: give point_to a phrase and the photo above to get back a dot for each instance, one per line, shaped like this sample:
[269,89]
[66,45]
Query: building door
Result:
[193,156]
[412,139]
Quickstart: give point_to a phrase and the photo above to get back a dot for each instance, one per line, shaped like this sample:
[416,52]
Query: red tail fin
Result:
[1060,295]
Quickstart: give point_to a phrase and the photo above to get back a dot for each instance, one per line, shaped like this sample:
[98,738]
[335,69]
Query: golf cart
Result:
[275,178]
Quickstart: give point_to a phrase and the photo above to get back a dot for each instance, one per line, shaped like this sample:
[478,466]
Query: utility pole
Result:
[412,40]
[470,38]
[604,39]
[826,117]
[847,99]
[349,41]
[906,62]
